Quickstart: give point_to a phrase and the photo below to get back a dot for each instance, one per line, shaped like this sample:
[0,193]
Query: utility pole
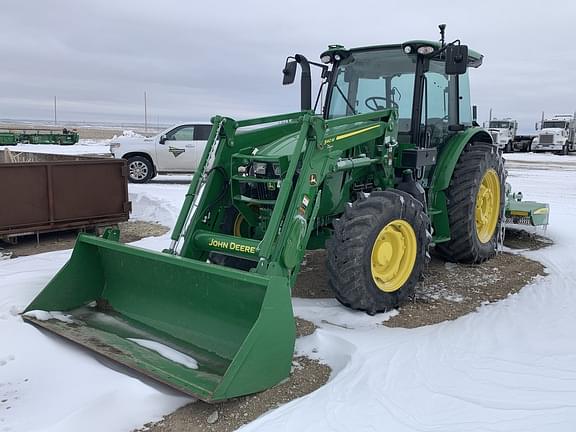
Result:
[490,117]
[145,114]
[55,118]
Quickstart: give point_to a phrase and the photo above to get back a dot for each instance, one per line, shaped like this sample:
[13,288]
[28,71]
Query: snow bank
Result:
[94,148]
[41,315]
[128,134]
[167,352]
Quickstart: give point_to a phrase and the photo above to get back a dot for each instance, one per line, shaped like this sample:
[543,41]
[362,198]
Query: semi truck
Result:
[557,134]
[503,132]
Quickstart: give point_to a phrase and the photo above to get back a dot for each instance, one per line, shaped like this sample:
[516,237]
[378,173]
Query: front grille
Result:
[546,139]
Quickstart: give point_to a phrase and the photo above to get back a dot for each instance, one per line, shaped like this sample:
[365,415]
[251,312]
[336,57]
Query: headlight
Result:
[277,170]
[326,58]
[425,50]
[259,168]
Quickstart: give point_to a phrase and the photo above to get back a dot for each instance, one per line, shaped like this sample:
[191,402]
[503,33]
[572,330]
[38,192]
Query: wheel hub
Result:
[138,170]
[393,255]
[487,206]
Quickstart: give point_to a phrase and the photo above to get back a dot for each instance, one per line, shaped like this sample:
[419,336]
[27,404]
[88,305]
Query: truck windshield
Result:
[499,125]
[554,124]
[372,80]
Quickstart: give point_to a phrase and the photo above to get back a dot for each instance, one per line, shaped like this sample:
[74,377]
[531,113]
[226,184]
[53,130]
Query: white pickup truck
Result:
[177,149]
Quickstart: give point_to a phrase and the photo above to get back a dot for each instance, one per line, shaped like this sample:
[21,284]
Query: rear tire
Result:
[140,169]
[465,245]
[359,240]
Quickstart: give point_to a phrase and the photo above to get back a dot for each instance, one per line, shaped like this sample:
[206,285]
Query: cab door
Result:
[175,151]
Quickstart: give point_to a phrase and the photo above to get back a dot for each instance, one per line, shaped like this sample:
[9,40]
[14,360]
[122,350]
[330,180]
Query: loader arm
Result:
[317,153]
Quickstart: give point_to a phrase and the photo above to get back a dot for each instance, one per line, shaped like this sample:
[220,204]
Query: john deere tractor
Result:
[393,165]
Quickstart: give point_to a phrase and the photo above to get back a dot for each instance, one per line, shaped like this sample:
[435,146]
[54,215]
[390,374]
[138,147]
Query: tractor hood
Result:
[285,146]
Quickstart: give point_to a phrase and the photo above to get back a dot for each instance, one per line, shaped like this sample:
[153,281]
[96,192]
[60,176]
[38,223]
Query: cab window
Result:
[202,132]
[184,133]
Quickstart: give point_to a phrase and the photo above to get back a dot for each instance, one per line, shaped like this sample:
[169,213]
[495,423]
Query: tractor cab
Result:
[425,81]
[413,78]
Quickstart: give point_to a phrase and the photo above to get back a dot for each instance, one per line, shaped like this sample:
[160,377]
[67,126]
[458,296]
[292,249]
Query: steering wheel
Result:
[374,100]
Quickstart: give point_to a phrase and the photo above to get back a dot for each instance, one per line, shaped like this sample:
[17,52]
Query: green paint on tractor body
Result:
[267,189]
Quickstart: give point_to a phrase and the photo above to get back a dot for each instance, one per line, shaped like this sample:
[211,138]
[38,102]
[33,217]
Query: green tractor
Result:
[393,165]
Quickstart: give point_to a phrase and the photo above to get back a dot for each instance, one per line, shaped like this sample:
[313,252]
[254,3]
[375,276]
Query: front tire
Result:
[378,251]
[475,201]
[508,148]
[140,169]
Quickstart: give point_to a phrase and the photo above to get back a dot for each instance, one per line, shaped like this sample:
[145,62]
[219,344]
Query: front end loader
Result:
[391,166]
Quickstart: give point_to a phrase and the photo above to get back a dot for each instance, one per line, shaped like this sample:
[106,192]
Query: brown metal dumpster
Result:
[42,192]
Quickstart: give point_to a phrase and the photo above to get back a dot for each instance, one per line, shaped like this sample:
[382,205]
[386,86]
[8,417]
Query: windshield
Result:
[499,125]
[376,79]
[372,80]
[554,124]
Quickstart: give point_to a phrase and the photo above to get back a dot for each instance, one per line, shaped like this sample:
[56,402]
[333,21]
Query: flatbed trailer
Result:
[39,136]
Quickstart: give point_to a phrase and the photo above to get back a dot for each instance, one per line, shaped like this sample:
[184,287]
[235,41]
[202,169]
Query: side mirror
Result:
[162,139]
[536,126]
[474,113]
[289,72]
[456,59]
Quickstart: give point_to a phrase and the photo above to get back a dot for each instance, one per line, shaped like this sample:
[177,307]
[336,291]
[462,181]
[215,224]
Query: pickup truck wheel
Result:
[140,169]
[508,148]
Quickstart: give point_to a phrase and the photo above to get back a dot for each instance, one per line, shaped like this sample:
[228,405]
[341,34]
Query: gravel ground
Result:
[28,245]
[447,291]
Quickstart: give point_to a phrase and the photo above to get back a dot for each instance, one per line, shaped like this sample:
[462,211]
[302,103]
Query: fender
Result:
[447,160]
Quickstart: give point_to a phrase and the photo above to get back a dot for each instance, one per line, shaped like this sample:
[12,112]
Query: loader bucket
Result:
[209,331]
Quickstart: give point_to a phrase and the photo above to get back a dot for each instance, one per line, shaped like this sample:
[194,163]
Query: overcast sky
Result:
[196,59]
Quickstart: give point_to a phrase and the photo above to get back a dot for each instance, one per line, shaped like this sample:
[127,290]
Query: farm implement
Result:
[39,136]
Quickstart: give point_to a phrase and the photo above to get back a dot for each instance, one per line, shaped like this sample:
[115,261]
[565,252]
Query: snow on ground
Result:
[84,147]
[509,367]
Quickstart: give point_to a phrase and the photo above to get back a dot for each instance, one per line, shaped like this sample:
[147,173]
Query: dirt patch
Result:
[522,240]
[307,375]
[31,245]
[447,291]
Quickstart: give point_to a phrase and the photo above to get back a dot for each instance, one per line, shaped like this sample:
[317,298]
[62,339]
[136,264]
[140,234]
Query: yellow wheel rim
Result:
[488,206]
[241,227]
[393,255]
[238,225]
